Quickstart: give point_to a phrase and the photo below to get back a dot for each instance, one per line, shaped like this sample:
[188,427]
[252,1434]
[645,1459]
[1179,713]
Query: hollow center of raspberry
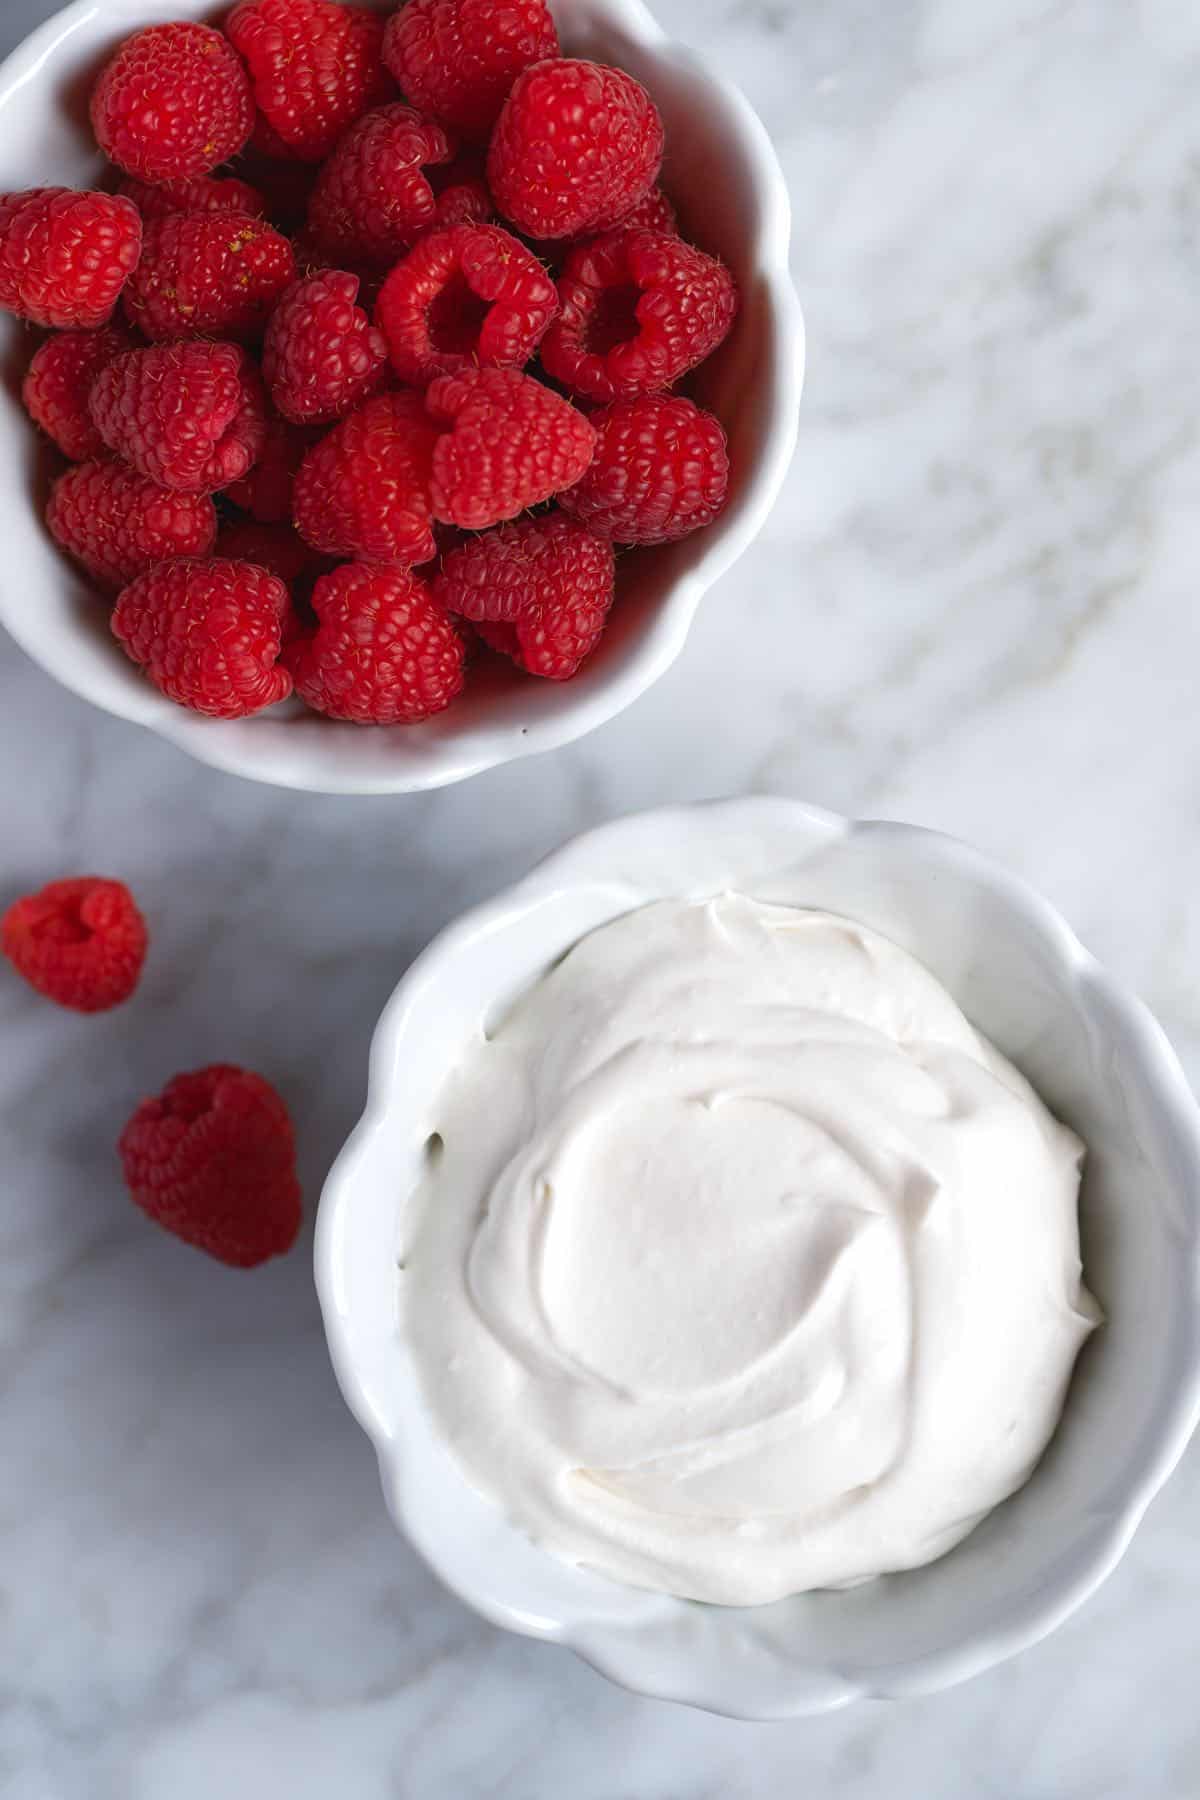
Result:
[613,320]
[456,317]
[63,925]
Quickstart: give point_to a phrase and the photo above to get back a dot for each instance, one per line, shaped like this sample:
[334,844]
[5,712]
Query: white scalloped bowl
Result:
[1093,1052]
[723,172]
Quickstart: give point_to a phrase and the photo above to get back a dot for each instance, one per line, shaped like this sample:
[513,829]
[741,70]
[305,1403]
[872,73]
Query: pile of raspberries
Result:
[388,396]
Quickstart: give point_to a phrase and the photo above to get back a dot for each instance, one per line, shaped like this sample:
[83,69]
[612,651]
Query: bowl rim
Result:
[666,630]
[1097,1551]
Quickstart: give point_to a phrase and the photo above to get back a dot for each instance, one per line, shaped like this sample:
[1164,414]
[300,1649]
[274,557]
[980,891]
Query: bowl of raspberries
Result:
[409,369]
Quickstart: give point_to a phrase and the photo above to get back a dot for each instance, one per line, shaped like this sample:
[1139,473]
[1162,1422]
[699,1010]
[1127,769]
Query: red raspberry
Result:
[460,190]
[661,469]
[364,489]
[457,59]
[65,256]
[577,146]
[373,198]
[116,523]
[208,275]
[266,492]
[213,1160]
[507,443]
[207,633]
[654,213]
[384,653]
[277,548]
[199,193]
[322,356]
[539,589]
[59,380]
[467,296]
[639,309]
[315,66]
[81,943]
[173,101]
[190,416]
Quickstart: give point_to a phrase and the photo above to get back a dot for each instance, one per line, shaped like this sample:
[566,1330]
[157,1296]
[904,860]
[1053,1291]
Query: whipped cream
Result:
[746,1265]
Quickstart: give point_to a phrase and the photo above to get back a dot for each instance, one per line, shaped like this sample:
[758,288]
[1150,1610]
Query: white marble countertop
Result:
[975,607]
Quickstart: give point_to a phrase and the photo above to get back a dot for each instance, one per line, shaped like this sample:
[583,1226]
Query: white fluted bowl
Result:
[1093,1052]
[724,174]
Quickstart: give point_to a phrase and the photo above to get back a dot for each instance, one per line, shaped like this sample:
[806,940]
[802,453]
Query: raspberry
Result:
[322,355]
[207,633]
[277,548]
[213,1160]
[173,102]
[116,523]
[576,147]
[661,470]
[383,653]
[199,193]
[467,296]
[65,256]
[315,66]
[266,492]
[540,590]
[81,942]
[208,275]
[373,198]
[364,489]
[457,59]
[653,213]
[507,443]
[59,380]
[639,309]
[190,416]
[460,190]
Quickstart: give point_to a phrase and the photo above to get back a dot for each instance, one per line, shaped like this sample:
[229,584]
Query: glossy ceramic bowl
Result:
[1093,1052]
[724,175]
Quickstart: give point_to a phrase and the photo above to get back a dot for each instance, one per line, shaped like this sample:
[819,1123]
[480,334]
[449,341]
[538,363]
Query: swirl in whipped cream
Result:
[747,1266]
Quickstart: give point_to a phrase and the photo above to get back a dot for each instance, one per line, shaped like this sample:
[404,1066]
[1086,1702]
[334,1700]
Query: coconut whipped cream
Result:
[746,1265]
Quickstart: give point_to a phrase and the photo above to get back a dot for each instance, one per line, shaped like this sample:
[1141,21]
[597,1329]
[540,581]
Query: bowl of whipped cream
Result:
[766,1264]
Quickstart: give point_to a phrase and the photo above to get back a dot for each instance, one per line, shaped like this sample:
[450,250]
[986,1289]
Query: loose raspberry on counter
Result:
[199,193]
[639,309]
[661,470]
[213,1160]
[384,652]
[80,942]
[190,416]
[266,492]
[208,275]
[315,67]
[59,380]
[207,633]
[576,147]
[322,356]
[373,197]
[65,256]
[458,59]
[545,584]
[467,296]
[174,101]
[364,489]
[506,443]
[116,523]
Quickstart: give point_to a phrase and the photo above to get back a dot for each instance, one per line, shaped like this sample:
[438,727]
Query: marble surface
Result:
[975,607]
